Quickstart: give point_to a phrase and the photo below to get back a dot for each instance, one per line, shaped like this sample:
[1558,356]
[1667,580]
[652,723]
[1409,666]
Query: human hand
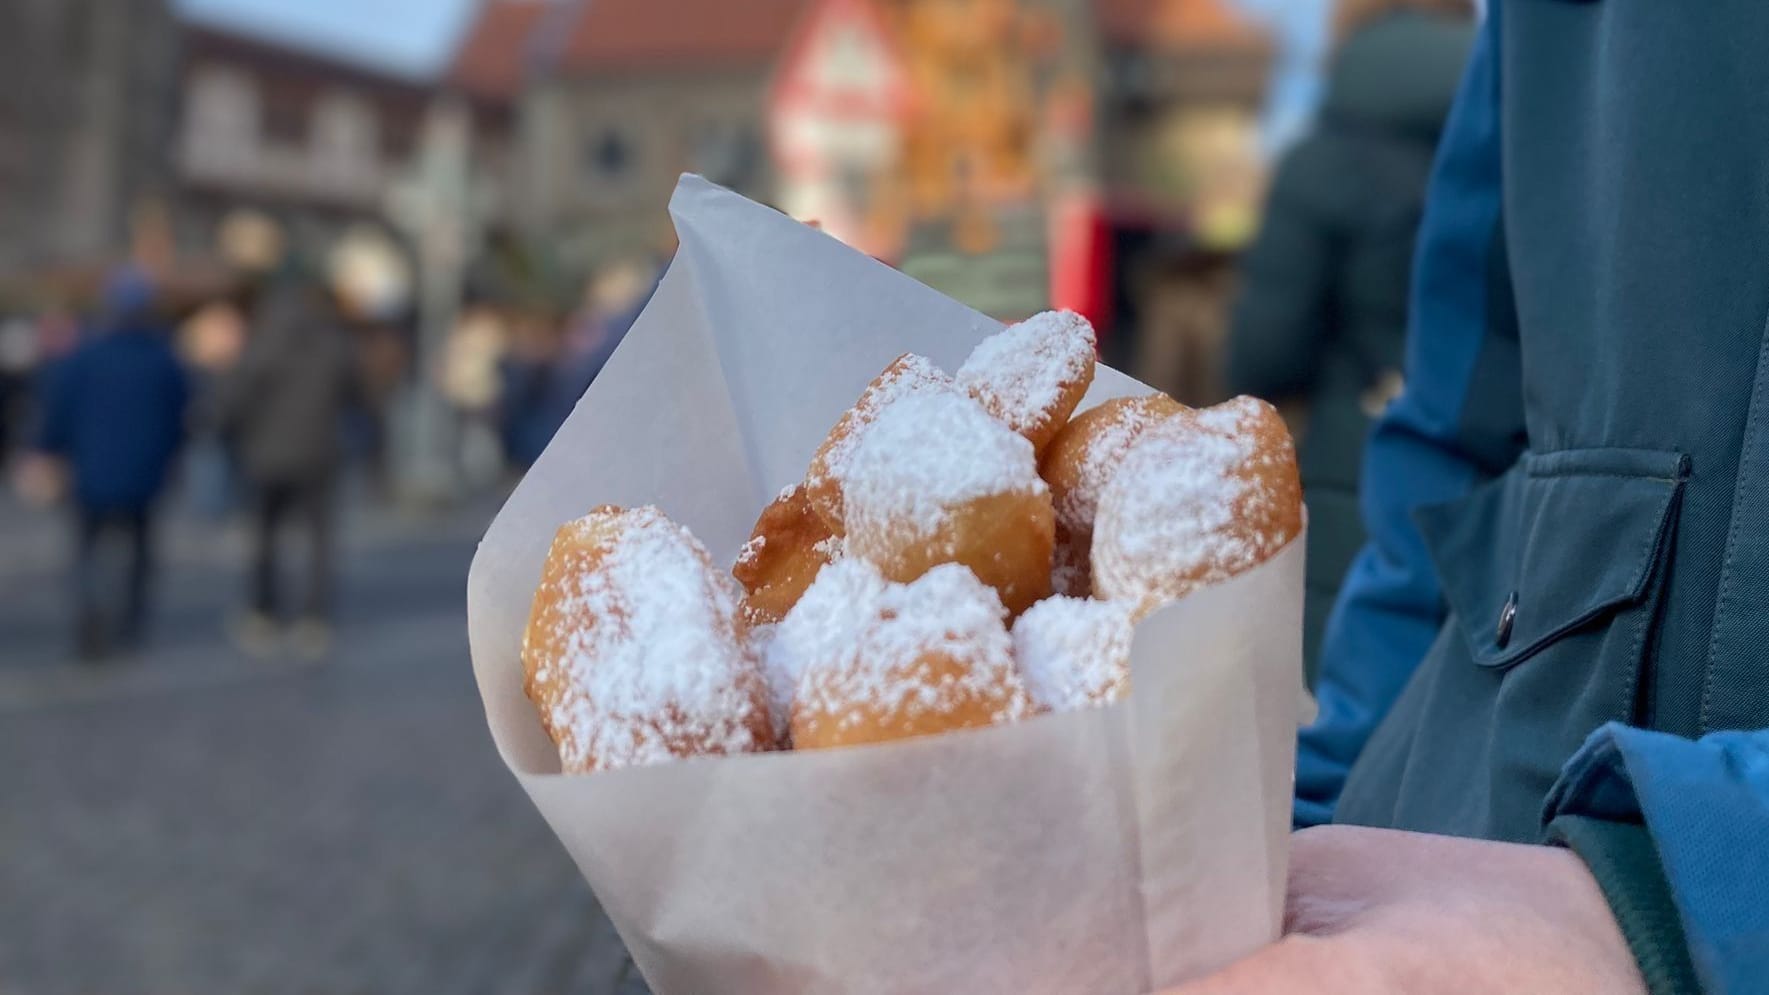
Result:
[1374,911]
[39,479]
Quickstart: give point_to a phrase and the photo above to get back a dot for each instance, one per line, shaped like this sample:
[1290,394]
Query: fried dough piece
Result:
[1032,375]
[789,544]
[1196,501]
[879,661]
[908,375]
[1074,652]
[937,480]
[633,654]
[1077,465]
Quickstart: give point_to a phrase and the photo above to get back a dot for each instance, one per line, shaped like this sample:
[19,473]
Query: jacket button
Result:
[1507,618]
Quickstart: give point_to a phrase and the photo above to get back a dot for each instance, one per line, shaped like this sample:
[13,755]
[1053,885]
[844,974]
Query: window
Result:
[344,137]
[726,153]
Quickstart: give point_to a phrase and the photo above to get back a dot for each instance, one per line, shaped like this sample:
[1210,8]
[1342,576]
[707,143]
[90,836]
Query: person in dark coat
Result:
[113,414]
[283,412]
[1322,311]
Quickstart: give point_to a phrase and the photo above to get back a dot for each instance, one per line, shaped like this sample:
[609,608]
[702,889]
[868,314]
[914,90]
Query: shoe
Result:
[311,639]
[255,633]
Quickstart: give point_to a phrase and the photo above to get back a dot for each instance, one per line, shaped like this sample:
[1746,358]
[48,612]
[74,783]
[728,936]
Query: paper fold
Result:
[1109,851]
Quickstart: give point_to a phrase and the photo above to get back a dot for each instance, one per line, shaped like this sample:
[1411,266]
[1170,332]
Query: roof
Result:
[269,56]
[1178,24]
[624,35]
[492,58]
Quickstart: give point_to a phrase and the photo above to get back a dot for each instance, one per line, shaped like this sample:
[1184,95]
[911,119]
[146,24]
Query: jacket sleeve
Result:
[1279,324]
[1458,421]
[1656,815]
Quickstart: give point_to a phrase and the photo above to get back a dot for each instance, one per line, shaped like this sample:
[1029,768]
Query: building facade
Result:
[315,143]
[627,94]
[87,103]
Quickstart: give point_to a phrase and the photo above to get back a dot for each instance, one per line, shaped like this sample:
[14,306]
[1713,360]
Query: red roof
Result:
[679,34]
[492,58]
[1177,24]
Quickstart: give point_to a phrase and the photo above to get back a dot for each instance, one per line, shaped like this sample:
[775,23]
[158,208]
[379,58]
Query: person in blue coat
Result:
[113,414]
[1544,691]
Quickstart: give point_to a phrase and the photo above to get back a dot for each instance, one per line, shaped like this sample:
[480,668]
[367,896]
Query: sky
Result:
[415,37]
[411,37]
[1296,80]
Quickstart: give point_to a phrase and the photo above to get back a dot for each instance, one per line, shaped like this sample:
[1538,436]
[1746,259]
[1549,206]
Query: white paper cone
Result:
[1108,851]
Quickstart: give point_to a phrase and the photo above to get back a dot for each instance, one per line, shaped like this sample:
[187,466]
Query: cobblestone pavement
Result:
[194,821]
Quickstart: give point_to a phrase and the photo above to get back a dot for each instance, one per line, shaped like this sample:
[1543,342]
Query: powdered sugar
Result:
[828,625]
[926,454]
[1074,652]
[1021,373]
[854,638]
[909,375]
[646,663]
[752,549]
[1172,517]
[1076,507]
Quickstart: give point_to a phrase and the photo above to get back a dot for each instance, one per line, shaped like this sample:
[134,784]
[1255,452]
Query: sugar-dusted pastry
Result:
[907,376]
[1074,652]
[936,479]
[789,544]
[1196,501]
[1077,465]
[633,653]
[1032,375]
[876,661]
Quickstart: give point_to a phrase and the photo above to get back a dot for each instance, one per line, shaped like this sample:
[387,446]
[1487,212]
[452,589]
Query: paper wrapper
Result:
[1114,850]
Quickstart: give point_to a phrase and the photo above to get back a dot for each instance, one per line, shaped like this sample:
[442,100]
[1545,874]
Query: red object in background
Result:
[1081,259]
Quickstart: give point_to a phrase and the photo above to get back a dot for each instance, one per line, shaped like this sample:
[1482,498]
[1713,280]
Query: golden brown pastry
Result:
[789,544]
[873,661]
[1077,465]
[907,375]
[633,653]
[1074,652]
[936,480]
[1033,374]
[1196,501]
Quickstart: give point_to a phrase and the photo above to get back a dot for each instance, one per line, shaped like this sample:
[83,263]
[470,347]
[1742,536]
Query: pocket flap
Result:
[1556,542]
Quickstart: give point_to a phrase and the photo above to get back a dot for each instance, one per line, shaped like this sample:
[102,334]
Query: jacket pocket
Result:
[1561,541]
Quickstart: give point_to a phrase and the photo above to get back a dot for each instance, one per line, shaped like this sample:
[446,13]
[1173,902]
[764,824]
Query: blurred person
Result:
[531,404]
[470,381]
[547,369]
[283,409]
[211,342]
[1544,703]
[383,356]
[18,361]
[1322,310]
[113,416]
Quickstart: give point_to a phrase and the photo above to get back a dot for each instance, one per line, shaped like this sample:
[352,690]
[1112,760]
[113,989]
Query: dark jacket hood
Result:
[1399,74]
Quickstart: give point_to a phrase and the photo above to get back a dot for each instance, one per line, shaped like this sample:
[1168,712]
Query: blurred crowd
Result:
[311,364]
[254,400]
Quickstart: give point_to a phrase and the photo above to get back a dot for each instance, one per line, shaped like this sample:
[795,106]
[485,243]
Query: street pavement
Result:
[194,820]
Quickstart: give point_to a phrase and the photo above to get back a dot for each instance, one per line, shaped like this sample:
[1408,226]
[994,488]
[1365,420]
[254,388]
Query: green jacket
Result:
[1322,310]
